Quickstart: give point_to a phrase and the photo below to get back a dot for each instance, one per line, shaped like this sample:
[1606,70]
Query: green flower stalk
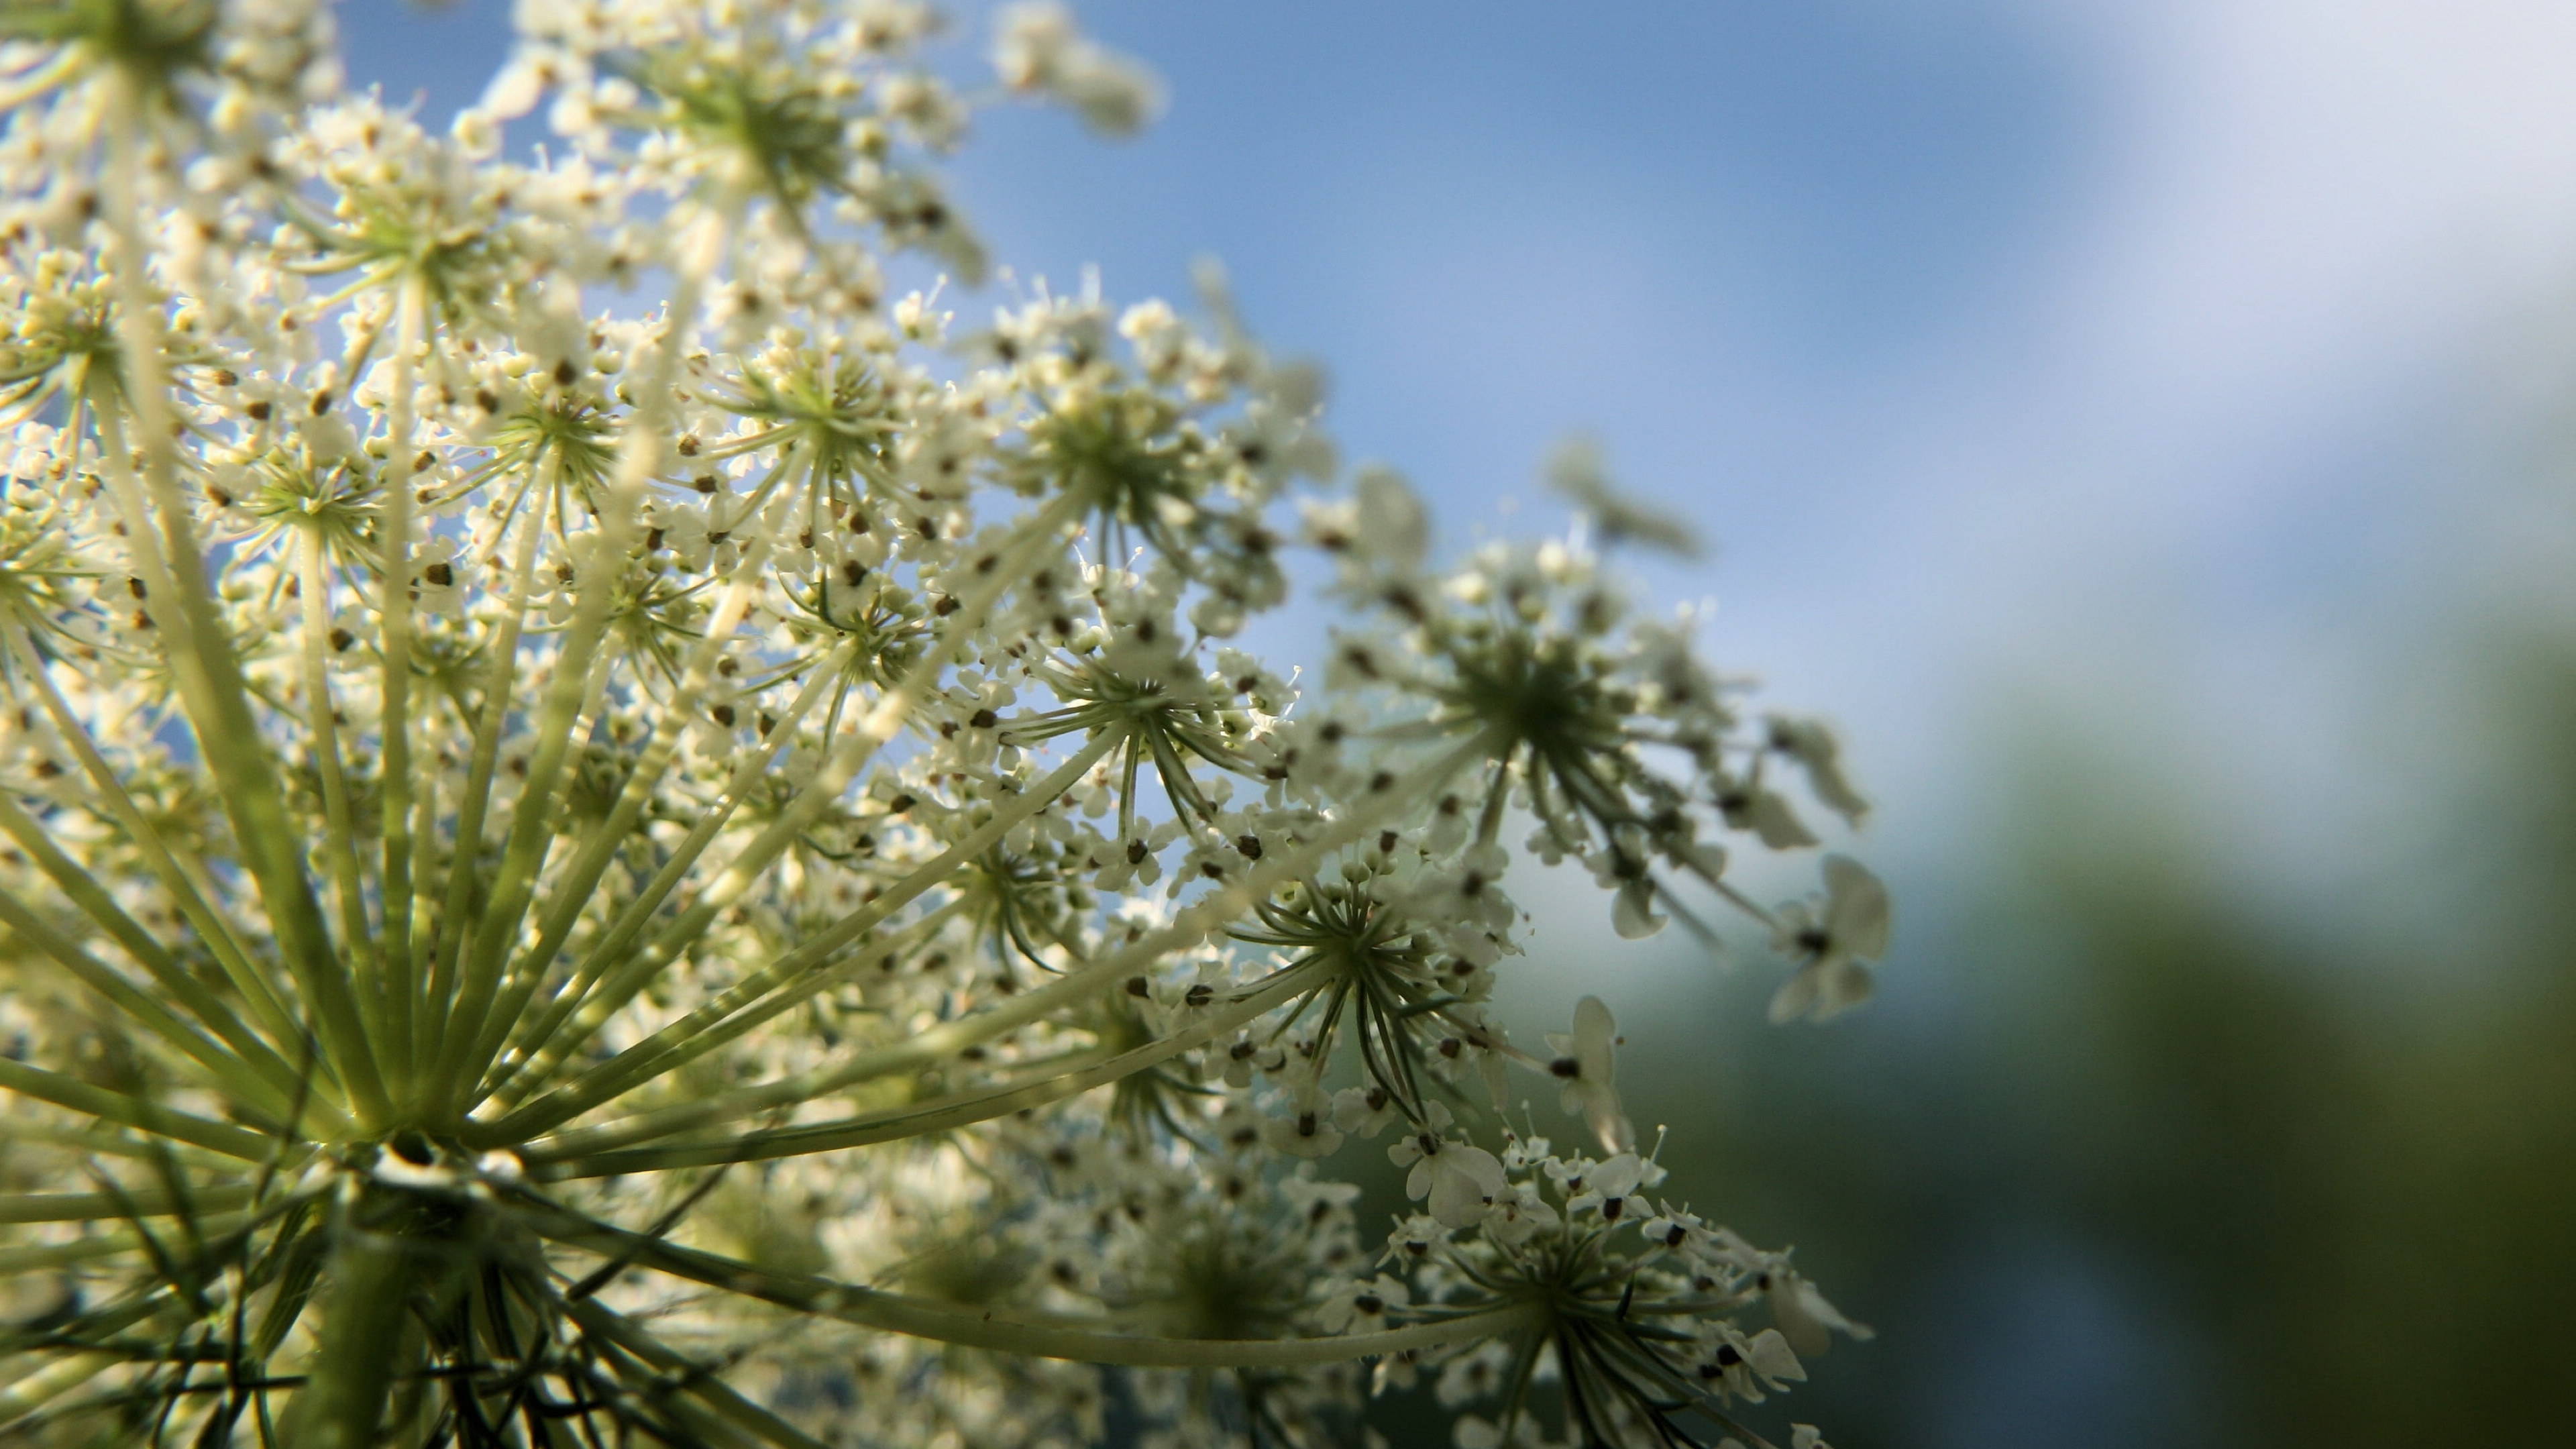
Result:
[710,877]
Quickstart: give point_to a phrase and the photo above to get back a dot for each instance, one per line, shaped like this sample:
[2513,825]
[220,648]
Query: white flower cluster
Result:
[711,877]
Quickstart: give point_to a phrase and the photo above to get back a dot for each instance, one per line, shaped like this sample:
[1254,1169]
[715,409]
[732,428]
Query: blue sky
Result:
[2122,356]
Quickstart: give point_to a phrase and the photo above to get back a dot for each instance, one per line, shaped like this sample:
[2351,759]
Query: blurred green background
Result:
[2141,1157]
[2161,1158]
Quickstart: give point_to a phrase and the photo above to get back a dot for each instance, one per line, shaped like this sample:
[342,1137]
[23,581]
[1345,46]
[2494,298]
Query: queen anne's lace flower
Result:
[585,871]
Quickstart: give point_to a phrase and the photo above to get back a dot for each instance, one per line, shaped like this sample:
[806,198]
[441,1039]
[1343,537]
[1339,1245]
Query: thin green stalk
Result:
[36,1388]
[144,1202]
[223,1233]
[656,1057]
[579,1154]
[684,1399]
[211,925]
[114,1106]
[111,1244]
[481,950]
[1005,1333]
[424,902]
[101,1142]
[529,1045]
[692,1378]
[397,981]
[339,838]
[630,1068]
[227,1073]
[165,970]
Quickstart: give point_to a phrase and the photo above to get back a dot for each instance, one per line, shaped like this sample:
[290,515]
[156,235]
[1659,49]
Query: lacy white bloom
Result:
[580,782]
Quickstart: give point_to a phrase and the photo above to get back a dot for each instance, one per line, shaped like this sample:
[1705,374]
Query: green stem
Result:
[339,839]
[195,903]
[111,1244]
[581,879]
[135,1112]
[34,1389]
[92,1207]
[639,458]
[683,1048]
[579,1154]
[973,1328]
[376,1270]
[461,871]
[531,832]
[692,1378]
[167,974]
[226,1072]
[397,982]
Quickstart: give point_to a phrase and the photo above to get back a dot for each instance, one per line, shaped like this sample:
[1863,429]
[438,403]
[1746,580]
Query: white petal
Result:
[1796,996]
[1617,1177]
[1772,1358]
[1847,985]
[1631,914]
[1457,1200]
[1857,908]
[1394,526]
[1282,1135]
[1595,1031]
[1804,1331]
[1481,1168]
[1778,825]
[1600,1110]
[1351,1109]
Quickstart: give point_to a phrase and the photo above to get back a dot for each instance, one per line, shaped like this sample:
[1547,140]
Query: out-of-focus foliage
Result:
[2168,1163]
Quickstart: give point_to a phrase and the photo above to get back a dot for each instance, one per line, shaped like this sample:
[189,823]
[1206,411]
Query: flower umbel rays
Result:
[703,871]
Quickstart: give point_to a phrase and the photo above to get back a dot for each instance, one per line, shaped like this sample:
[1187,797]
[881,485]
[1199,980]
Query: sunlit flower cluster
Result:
[623,827]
